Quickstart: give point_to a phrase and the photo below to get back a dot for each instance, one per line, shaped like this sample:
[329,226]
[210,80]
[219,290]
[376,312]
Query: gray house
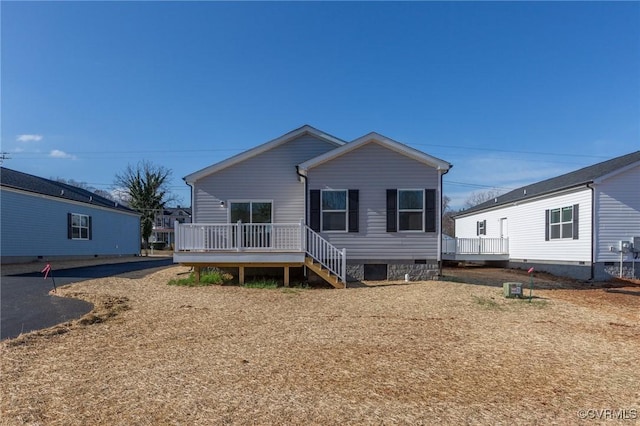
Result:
[584,224]
[44,219]
[367,209]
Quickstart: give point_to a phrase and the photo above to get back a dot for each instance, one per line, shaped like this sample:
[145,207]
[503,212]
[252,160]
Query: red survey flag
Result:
[530,270]
[46,270]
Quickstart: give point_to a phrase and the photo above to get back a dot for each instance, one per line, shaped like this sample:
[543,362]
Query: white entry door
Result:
[504,228]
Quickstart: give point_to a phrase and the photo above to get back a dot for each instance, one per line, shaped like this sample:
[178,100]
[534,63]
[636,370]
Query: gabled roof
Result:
[306,129]
[374,137]
[168,211]
[37,185]
[584,176]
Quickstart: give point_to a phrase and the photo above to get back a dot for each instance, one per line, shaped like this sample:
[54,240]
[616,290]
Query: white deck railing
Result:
[238,236]
[265,237]
[475,245]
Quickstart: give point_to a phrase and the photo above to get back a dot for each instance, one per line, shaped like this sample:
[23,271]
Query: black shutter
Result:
[69,228]
[546,225]
[430,210]
[90,229]
[314,209]
[484,227]
[477,227]
[353,210]
[575,221]
[392,206]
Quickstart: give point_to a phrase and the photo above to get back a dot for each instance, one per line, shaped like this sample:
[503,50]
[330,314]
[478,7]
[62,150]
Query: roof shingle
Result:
[26,182]
[569,180]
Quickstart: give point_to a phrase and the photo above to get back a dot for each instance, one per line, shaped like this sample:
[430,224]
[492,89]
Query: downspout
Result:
[306,189]
[593,230]
[193,211]
[440,225]
[306,216]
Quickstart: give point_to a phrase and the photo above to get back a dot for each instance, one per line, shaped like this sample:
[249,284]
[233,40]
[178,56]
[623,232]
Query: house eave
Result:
[523,199]
[384,141]
[114,209]
[306,129]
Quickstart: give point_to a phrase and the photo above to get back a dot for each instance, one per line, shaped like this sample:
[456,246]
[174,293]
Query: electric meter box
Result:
[626,246]
[512,289]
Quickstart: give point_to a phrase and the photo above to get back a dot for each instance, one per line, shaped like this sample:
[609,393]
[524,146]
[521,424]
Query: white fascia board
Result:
[374,137]
[306,129]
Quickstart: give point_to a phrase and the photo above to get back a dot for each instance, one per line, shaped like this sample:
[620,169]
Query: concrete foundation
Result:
[396,270]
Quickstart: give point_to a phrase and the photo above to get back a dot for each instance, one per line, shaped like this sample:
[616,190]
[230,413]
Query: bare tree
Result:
[480,197]
[448,224]
[86,187]
[146,188]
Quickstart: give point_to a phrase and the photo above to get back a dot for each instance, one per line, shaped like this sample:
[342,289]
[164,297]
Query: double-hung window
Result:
[411,210]
[481,227]
[78,226]
[562,223]
[334,209]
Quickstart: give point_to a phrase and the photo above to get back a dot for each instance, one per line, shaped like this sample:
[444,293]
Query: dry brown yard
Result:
[422,353]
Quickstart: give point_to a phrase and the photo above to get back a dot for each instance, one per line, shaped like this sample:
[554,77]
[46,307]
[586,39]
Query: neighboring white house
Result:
[164,224]
[570,225]
[47,220]
[367,209]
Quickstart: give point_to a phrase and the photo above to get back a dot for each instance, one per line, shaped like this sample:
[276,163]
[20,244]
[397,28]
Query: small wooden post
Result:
[241,275]
[286,276]
[196,270]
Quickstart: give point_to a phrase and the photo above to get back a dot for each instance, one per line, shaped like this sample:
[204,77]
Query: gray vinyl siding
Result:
[372,169]
[617,208]
[34,225]
[269,176]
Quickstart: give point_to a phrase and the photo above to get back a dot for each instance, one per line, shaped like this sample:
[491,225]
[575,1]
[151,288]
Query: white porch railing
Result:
[264,237]
[238,236]
[475,245]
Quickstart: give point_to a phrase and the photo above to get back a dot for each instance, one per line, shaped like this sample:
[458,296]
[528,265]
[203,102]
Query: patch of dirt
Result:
[619,296]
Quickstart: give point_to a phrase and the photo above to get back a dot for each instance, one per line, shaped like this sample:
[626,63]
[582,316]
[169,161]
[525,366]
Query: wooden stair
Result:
[323,273]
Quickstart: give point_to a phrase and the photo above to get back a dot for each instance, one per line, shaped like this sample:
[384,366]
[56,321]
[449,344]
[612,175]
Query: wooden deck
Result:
[259,245]
[475,249]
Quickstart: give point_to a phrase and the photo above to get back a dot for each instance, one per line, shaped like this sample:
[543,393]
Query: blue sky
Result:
[508,92]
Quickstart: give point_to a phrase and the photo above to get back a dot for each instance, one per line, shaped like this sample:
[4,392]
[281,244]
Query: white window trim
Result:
[88,227]
[250,201]
[410,210]
[345,211]
[561,223]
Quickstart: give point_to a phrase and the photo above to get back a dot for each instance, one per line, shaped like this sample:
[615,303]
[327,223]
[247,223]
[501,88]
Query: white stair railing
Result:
[326,254]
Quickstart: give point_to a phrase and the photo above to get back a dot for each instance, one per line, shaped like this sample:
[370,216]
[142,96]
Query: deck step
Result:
[323,273]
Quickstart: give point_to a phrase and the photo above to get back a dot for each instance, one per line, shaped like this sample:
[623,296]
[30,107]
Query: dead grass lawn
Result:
[423,353]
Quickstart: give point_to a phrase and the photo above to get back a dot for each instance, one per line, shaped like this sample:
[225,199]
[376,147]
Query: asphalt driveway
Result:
[26,305]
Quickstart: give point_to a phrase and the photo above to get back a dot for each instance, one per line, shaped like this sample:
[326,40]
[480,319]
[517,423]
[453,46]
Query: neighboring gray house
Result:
[367,209]
[581,224]
[44,219]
